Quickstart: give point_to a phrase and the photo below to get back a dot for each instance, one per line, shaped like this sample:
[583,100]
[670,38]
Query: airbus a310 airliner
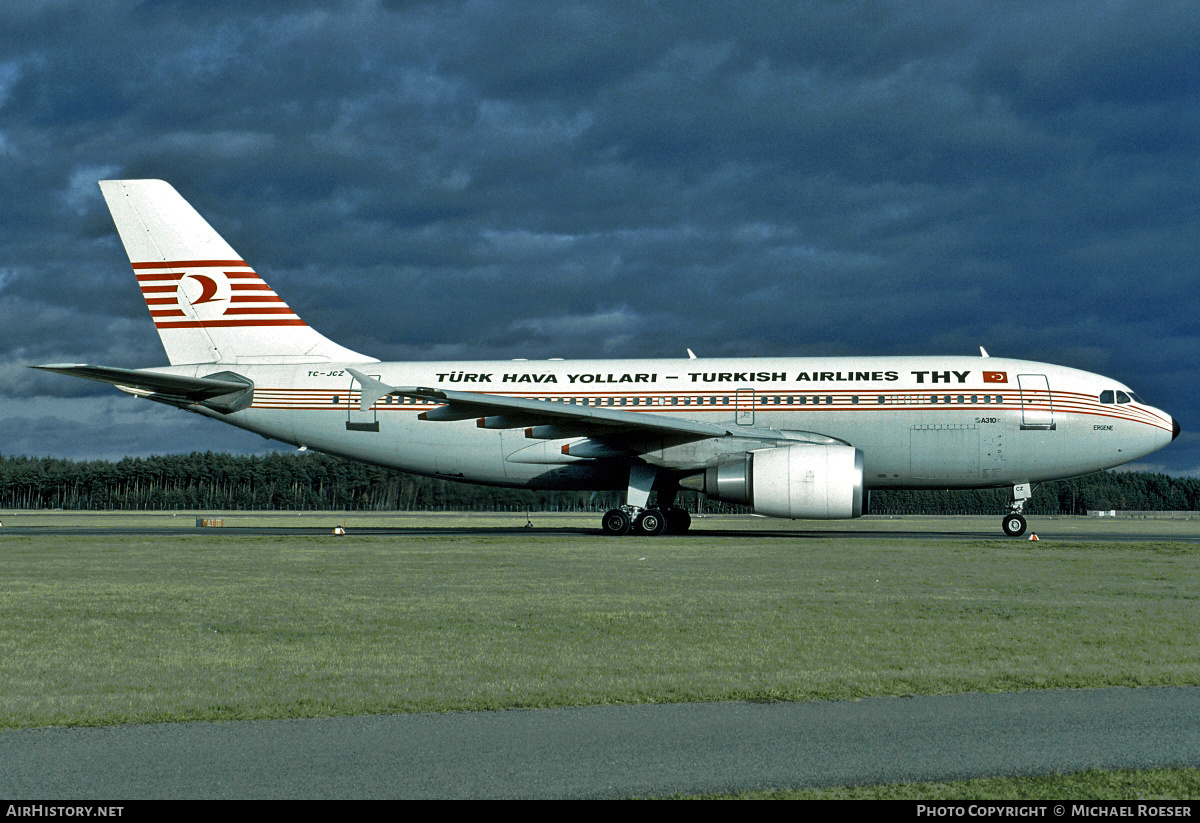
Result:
[798,438]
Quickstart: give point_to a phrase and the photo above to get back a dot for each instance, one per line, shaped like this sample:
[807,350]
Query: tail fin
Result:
[208,305]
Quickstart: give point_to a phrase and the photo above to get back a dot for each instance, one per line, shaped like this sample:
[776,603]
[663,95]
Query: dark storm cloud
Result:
[574,179]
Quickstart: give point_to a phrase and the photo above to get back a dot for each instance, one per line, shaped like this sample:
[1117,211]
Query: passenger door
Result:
[356,420]
[1037,404]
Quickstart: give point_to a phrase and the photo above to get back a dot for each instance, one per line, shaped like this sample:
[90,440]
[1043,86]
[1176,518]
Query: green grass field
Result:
[211,626]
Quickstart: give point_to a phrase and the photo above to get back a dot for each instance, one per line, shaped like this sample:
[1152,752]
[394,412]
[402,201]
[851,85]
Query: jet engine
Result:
[799,482]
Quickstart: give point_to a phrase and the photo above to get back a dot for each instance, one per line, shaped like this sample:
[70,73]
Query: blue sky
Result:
[618,179]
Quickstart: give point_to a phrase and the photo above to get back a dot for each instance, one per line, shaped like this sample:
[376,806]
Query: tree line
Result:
[314,481]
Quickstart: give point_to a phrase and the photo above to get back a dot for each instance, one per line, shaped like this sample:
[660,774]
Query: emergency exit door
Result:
[744,410]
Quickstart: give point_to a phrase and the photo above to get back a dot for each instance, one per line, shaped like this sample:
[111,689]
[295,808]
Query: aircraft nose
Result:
[1174,428]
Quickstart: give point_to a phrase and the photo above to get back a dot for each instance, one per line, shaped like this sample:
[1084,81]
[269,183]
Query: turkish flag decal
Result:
[995,377]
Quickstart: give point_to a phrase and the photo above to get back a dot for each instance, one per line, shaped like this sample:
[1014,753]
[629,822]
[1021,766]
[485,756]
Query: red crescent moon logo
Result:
[208,289]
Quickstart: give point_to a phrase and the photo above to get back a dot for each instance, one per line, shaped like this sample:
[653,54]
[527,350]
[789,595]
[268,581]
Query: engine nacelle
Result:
[799,482]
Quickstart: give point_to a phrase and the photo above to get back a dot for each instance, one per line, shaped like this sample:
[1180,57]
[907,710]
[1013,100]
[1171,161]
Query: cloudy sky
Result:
[610,179]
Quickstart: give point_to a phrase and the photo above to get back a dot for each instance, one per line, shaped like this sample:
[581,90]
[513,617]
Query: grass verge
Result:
[205,626]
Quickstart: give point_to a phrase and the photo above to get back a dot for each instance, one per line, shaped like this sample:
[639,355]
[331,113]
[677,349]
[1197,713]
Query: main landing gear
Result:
[635,518]
[1014,521]
[646,522]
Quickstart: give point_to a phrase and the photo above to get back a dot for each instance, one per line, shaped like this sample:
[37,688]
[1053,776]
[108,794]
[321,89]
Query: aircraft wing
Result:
[224,391]
[561,420]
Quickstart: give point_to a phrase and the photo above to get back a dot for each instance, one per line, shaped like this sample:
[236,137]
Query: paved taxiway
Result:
[1048,533]
[613,751]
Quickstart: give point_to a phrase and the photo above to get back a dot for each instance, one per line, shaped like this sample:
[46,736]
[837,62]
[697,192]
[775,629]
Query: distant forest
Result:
[313,481]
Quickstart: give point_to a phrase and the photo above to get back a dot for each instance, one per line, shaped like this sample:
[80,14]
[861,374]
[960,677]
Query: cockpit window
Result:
[1106,397]
[1122,397]
[1137,399]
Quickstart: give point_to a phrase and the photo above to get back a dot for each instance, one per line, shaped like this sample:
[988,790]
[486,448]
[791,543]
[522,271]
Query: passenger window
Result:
[1106,397]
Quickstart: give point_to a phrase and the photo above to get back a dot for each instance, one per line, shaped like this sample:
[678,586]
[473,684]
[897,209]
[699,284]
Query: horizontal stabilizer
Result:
[224,391]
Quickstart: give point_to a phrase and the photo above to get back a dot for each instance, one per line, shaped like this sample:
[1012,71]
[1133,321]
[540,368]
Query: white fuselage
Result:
[920,422]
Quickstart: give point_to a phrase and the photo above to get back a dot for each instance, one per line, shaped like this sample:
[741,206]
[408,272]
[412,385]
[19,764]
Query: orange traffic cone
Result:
[1034,536]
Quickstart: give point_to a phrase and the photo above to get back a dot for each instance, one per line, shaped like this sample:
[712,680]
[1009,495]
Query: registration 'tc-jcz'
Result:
[799,438]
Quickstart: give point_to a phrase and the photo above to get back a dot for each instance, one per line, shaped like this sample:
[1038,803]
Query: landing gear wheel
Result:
[678,520]
[650,523]
[1014,525]
[615,523]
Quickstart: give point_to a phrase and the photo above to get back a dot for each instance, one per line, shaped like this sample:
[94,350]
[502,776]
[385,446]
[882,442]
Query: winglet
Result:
[372,389]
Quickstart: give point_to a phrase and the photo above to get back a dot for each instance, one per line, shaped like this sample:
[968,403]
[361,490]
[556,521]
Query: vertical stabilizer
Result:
[208,305]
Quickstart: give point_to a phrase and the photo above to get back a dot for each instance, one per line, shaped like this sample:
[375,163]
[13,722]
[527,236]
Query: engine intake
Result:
[799,482]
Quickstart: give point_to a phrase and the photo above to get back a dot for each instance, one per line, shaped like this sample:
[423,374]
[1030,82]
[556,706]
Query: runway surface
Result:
[613,751]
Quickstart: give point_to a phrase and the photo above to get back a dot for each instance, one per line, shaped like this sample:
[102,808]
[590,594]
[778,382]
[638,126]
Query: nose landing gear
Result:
[1014,521]
[1014,525]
